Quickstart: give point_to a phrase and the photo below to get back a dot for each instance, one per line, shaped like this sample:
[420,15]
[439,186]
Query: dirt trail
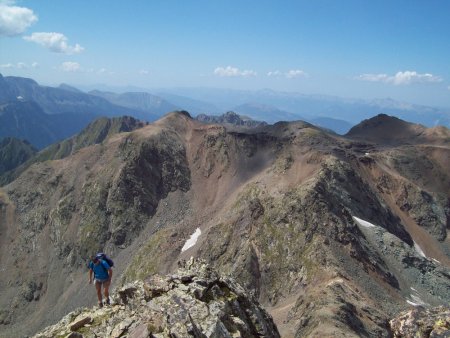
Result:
[280,313]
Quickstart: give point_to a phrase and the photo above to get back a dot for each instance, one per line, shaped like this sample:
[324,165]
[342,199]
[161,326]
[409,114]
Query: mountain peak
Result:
[69,88]
[386,129]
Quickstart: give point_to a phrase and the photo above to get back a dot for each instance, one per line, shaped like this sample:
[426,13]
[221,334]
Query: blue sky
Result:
[359,49]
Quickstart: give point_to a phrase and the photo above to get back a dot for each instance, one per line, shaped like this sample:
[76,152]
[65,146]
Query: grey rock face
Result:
[195,301]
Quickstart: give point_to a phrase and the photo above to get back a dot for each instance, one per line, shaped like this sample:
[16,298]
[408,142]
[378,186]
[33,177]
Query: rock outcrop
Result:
[231,119]
[193,302]
[422,323]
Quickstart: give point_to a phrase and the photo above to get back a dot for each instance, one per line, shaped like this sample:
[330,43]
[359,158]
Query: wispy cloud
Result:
[70,66]
[230,71]
[275,73]
[75,67]
[56,42]
[15,20]
[104,71]
[400,78]
[290,74]
[19,65]
[295,73]
[144,72]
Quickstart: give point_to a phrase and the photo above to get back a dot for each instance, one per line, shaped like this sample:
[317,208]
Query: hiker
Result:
[102,277]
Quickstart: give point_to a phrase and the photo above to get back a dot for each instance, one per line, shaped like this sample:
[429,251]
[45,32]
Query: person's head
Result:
[95,260]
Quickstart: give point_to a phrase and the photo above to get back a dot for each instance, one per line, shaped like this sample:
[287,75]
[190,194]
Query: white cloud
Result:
[290,74]
[56,42]
[15,20]
[70,66]
[401,78]
[144,72]
[295,73]
[102,71]
[7,65]
[233,72]
[19,65]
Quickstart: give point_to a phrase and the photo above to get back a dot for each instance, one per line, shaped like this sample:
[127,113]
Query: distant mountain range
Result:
[296,106]
[44,115]
[153,105]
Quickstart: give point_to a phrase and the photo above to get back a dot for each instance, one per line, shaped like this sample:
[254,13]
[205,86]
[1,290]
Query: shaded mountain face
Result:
[95,133]
[14,152]
[27,120]
[334,236]
[57,100]
[44,115]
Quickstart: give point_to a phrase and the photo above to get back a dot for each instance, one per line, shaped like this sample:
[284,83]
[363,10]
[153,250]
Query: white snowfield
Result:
[192,240]
[419,250]
[363,222]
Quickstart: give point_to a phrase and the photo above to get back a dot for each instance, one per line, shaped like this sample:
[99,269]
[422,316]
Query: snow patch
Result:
[419,250]
[416,301]
[192,240]
[412,303]
[363,222]
[436,261]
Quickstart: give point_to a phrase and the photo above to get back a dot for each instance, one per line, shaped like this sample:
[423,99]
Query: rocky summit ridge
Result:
[333,235]
[195,301]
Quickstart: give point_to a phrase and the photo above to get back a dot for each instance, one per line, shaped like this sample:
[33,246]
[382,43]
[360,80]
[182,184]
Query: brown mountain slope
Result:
[275,207]
[384,129]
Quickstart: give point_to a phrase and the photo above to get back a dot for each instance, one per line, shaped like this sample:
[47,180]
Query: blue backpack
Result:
[104,257]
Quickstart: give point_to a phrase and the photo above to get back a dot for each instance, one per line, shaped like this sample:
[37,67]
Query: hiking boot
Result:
[100,304]
[107,301]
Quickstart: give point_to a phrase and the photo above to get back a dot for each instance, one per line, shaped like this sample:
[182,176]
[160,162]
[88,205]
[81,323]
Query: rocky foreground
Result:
[193,302]
[422,323]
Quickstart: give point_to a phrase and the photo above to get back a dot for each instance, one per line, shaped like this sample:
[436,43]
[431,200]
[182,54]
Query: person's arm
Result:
[90,276]
[110,274]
